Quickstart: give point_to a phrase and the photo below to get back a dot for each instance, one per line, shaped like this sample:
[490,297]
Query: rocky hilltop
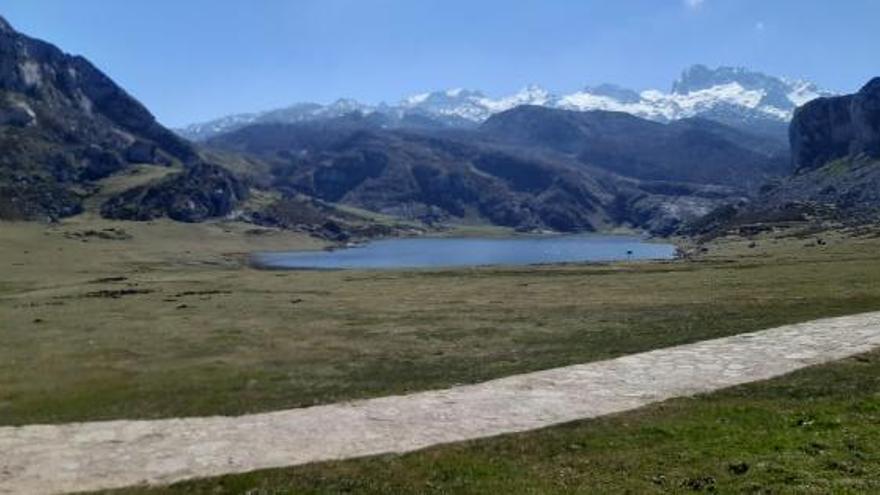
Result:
[65,125]
[46,88]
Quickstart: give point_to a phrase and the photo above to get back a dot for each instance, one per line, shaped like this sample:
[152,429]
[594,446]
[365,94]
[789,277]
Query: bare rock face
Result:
[826,129]
[866,119]
[820,132]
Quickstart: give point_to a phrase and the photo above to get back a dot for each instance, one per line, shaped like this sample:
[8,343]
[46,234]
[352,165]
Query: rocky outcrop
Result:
[827,129]
[201,192]
[866,119]
[322,220]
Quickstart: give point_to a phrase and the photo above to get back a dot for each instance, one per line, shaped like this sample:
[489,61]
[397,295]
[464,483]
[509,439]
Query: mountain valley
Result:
[602,159]
[572,289]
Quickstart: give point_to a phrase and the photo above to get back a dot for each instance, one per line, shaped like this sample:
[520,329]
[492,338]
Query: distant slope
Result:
[462,176]
[419,177]
[702,152]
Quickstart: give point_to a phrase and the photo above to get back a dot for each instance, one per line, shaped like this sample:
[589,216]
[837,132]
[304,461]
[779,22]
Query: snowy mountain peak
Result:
[529,95]
[614,91]
[534,92]
[348,105]
[778,93]
[462,93]
[444,98]
[733,95]
[803,91]
[699,77]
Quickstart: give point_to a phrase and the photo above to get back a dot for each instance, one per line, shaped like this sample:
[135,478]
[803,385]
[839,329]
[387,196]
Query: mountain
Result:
[734,96]
[421,177]
[835,143]
[70,134]
[530,167]
[472,106]
[830,128]
[300,112]
[690,150]
[64,125]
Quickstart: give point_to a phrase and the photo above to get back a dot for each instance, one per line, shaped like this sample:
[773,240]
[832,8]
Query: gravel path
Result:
[90,456]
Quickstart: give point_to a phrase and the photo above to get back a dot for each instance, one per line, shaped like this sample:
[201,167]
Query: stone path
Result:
[91,456]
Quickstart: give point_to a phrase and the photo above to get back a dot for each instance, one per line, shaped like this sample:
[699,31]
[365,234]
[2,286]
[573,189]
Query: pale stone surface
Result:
[91,456]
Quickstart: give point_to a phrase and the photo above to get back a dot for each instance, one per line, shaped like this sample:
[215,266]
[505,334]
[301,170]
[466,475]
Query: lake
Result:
[435,252]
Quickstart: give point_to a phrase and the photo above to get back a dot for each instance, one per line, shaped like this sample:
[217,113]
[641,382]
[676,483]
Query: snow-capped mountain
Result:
[734,96]
[299,112]
[472,105]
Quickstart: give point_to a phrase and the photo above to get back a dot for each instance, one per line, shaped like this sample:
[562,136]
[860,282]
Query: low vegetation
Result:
[105,319]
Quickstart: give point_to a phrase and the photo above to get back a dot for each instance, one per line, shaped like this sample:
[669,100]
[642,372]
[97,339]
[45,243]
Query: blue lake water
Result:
[433,252]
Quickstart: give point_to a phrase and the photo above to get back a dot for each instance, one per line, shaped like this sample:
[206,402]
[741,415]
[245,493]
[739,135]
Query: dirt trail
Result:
[100,455]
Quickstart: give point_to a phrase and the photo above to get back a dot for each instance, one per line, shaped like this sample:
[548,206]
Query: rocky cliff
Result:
[826,129]
[835,146]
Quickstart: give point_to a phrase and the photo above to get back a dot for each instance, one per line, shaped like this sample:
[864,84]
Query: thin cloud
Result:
[694,4]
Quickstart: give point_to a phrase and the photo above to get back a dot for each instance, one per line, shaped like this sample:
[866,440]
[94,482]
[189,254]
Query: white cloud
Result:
[694,4]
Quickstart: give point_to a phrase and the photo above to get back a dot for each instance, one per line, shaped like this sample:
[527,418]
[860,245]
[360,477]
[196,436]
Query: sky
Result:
[193,60]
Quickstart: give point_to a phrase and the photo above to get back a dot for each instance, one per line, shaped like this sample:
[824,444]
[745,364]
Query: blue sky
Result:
[191,60]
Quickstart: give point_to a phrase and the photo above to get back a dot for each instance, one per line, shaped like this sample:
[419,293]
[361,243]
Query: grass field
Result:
[167,319]
[816,431]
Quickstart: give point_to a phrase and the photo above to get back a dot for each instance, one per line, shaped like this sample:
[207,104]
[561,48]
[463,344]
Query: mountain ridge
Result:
[731,95]
[529,168]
